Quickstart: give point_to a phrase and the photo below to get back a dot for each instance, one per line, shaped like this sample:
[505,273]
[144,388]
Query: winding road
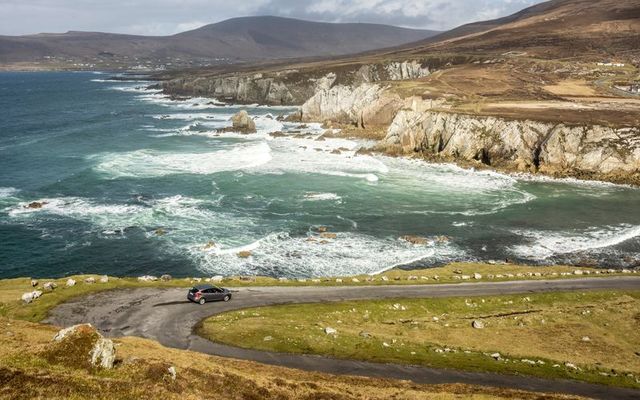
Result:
[166,316]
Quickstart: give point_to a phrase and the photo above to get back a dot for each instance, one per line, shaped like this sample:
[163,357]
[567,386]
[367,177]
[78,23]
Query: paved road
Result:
[166,316]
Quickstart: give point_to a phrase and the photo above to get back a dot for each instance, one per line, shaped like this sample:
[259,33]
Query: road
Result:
[166,316]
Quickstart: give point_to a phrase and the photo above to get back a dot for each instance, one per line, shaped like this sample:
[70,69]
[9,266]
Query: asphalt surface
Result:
[165,315]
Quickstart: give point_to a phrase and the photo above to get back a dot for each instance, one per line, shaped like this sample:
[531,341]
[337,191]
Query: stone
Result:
[104,279]
[147,278]
[173,374]
[49,286]
[27,297]
[415,240]
[338,280]
[242,122]
[365,334]
[571,365]
[355,280]
[322,229]
[586,339]
[90,280]
[477,276]
[328,235]
[384,278]
[496,356]
[267,338]
[34,283]
[166,277]
[103,353]
[71,282]
[35,205]
[244,254]
[160,232]
[330,331]
[217,278]
[477,324]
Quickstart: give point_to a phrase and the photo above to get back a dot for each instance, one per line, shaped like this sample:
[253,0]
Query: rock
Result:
[90,280]
[586,339]
[365,334]
[465,277]
[322,229]
[147,278]
[384,278]
[277,134]
[160,232]
[34,283]
[49,286]
[328,235]
[104,279]
[27,297]
[355,280]
[330,331]
[398,306]
[196,279]
[477,276]
[244,254]
[217,278]
[70,282]
[338,280]
[103,353]
[577,272]
[35,205]
[385,344]
[166,277]
[496,356]
[571,366]
[477,324]
[267,338]
[243,123]
[415,240]
[173,374]
[210,245]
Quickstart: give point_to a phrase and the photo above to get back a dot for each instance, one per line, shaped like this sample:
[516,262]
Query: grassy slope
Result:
[26,371]
[12,289]
[547,327]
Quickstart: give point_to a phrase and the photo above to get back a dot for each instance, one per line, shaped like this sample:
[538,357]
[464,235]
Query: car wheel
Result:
[227,298]
[202,301]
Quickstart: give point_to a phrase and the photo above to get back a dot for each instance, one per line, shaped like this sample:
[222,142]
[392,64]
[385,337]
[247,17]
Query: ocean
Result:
[131,182]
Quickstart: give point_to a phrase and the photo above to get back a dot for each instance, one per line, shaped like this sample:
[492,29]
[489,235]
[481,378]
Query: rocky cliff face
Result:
[291,87]
[593,152]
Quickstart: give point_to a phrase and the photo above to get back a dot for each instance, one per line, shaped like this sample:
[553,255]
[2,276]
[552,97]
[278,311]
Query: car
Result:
[203,293]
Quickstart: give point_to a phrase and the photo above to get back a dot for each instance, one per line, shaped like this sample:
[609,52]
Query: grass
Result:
[550,330]
[11,290]
[141,372]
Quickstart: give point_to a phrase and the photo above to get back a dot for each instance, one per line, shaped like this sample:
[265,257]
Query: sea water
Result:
[132,182]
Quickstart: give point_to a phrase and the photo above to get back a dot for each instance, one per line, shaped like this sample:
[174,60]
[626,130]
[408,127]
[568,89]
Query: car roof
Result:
[200,287]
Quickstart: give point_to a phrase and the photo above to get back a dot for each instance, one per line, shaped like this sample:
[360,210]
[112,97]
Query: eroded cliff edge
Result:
[360,96]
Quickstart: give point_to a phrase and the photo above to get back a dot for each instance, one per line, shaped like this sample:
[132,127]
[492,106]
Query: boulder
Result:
[71,282]
[217,278]
[243,123]
[477,324]
[49,286]
[244,254]
[415,240]
[173,374]
[166,277]
[27,297]
[330,331]
[147,278]
[103,353]
[36,205]
[328,235]
[34,283]
[104,279]
[90,280]
[477,276]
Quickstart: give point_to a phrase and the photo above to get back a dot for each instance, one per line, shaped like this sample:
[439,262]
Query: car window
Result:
[193,290]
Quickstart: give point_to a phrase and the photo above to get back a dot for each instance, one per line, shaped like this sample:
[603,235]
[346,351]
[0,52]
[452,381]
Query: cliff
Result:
[589,152]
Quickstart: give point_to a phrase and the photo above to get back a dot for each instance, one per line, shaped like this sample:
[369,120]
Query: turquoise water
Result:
[135,183]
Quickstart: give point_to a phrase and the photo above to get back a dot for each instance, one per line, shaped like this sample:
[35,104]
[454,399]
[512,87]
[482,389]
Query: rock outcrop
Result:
[71,345]
[365,106]
[243,123]
[593,152]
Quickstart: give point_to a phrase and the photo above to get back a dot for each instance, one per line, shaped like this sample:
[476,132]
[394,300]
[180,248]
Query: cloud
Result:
[163,17]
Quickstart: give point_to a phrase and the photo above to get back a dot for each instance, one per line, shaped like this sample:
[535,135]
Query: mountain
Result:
[557,28]
[234,40]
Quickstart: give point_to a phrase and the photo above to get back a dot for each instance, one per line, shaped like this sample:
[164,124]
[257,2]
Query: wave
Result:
[153,163]
[545,244]
[311,196]
[8,192]
[279,254]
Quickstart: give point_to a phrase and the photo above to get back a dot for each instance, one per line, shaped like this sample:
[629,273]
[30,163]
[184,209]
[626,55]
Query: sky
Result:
[165,17]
